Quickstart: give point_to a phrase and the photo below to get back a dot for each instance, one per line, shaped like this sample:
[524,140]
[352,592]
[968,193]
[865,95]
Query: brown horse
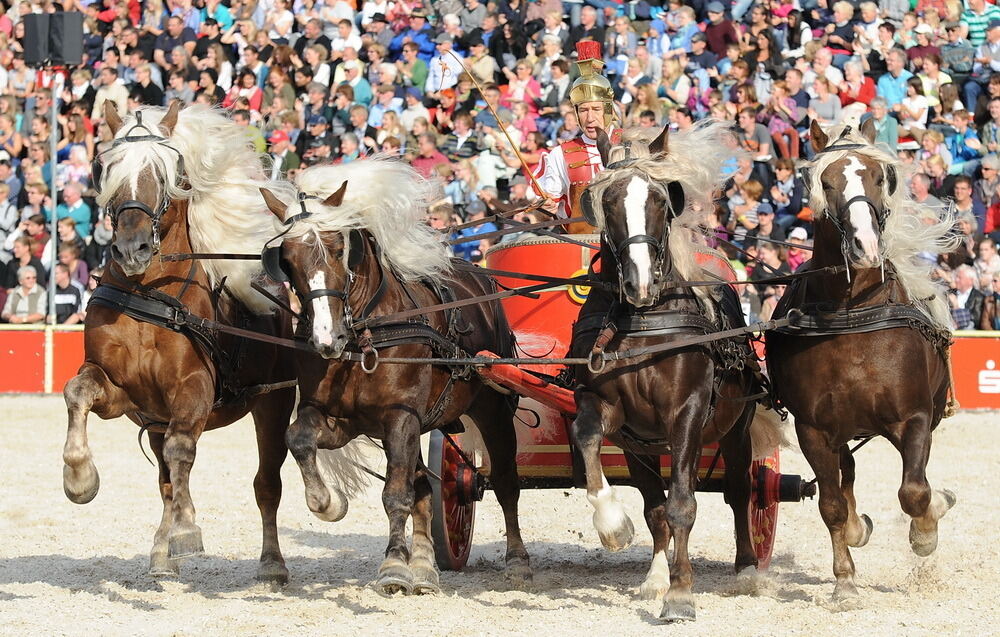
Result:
[175,381]
[869,356]
[370,255]
[670,402]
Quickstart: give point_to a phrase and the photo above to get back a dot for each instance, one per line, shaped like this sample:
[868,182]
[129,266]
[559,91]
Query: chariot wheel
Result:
[453,502]
[765,480]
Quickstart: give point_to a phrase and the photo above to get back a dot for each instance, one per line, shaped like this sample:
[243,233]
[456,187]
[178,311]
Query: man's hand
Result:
[550,205]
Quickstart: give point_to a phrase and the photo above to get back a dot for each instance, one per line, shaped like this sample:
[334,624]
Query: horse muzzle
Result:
[133,256]
[641,294]
[331,350]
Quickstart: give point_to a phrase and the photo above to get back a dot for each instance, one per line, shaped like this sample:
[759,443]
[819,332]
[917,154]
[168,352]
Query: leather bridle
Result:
[155,216]
[661,267]
[880,212]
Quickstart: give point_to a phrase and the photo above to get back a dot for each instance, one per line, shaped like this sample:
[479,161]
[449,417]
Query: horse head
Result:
[319,265]
[633,209]
[137,186]
[853,187]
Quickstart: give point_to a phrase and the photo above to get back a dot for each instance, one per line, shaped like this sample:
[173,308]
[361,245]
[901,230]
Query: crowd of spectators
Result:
[335,80]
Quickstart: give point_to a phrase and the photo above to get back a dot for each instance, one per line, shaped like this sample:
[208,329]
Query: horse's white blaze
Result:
[635,224]
[322,318]
[609,514]
[860,212]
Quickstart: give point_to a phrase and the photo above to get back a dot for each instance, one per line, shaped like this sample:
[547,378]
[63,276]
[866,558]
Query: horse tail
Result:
[346,469]
[767,432]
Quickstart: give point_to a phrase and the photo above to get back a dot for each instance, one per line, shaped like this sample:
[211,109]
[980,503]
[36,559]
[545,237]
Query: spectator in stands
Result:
[98,251]
[428,156]
[892,87]
[26,303]
[283,157]
[69,295]
[966,301]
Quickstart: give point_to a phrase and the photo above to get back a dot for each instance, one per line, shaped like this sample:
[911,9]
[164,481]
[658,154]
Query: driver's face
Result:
[591,116]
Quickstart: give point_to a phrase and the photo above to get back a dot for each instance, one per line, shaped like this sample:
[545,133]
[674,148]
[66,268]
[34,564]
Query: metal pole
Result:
[54,225]
[54,238]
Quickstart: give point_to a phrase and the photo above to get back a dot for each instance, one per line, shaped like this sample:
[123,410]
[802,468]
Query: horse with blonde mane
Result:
[867,352]
[182,181]
[355,248]
[648,204]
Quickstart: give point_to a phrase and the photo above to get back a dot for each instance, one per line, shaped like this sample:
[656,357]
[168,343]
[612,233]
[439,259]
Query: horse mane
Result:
[389,199]
[700,171]
[913,231]
[223,175]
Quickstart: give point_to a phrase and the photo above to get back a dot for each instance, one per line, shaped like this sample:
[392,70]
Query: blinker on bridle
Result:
[157,215]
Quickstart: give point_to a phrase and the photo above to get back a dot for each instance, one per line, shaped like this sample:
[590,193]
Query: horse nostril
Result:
[115,252]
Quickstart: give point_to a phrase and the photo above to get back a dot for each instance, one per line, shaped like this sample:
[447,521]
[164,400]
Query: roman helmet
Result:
[591,86]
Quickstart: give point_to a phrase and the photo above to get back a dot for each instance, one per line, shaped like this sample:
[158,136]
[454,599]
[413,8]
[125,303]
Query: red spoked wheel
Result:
[765,480]
[453,502]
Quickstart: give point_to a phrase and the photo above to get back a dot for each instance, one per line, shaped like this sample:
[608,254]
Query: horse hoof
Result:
[426,581]
[618,539]
[161,566]
[81,486]
[518,576]
[395,578]
[950,499]
[677,611]
[184,542]
[923,544]
[867,533]
[333,511]
[272,573]
[844,592]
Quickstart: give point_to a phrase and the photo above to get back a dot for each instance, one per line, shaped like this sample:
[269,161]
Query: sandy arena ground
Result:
[81,570]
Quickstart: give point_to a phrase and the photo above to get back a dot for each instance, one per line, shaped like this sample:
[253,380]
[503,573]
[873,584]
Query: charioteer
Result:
[565,172]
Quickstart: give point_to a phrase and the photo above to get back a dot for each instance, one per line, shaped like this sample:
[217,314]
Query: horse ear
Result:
[273,204]
[169,121]
[112,117]
[868,130]
[818,137]
[659,145]
[356,241]
[336,198]
[603,146]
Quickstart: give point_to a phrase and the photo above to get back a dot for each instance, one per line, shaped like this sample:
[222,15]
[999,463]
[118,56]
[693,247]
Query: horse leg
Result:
[587,433]
[736,453]
[681,509]
[918,500]
[302,439]
[179,449]
[90,389]
[645,473]
[859,528]
[425,574]
[160,564]
[825,462]
[495,421]
[271,415]
[402,448]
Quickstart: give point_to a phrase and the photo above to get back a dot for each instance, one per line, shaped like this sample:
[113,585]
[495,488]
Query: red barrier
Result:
[976,365]
[975,360]
[22,361]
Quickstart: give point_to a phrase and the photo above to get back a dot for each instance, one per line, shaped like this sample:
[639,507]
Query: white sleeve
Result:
[554,178]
